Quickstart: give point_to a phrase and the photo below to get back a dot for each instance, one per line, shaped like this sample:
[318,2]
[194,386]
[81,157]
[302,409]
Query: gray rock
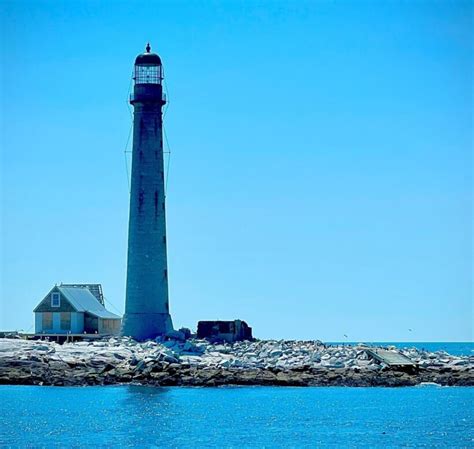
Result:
[196,362]
[176,335]
[170,359]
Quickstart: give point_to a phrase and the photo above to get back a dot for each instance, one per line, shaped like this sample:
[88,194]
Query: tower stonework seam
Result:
[147,305]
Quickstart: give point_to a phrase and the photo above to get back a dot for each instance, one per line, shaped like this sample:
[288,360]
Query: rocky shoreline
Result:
[200,363]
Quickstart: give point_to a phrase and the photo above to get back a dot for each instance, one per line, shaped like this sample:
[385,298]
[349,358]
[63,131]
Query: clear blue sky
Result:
[320,180]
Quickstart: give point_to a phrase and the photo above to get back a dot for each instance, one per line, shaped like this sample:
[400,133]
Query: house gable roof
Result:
[82,300]
[95,289]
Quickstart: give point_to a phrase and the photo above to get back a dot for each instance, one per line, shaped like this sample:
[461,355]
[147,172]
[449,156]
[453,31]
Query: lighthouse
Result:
[147,305]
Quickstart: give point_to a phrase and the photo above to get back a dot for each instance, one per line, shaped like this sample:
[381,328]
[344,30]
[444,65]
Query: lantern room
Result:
[148,68]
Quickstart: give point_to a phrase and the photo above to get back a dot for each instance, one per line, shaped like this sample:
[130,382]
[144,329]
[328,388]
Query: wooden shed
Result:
[75,309]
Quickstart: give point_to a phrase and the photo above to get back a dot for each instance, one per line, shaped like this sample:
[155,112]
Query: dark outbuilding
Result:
[228,331]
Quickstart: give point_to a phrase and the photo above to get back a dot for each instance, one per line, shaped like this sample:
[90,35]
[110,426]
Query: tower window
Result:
[148,74]
[55,299]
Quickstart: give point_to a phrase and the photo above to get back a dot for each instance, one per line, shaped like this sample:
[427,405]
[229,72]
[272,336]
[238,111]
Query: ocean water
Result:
[235,417]
[454,348]
[239,417]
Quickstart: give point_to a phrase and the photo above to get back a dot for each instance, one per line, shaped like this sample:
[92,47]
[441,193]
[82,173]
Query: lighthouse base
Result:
[146,326]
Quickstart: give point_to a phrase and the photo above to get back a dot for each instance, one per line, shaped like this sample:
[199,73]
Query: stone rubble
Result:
[200,363]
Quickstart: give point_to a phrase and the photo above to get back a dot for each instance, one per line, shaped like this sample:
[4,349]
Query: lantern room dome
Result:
[148,58]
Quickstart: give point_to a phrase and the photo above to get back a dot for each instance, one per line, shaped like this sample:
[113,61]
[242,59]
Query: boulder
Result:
[176,335]
[187,332]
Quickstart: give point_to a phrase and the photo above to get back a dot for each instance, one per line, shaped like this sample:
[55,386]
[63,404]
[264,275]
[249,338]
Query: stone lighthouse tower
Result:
[146,307]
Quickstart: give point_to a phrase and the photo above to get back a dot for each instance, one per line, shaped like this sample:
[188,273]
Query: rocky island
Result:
[200,363]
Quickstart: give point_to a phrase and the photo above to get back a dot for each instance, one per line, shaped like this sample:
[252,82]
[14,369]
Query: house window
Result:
[47,320]
[55,299]
[66,321]
[107,326]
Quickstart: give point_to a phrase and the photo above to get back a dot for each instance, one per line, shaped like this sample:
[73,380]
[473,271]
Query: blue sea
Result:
[231,417]
[454,348]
